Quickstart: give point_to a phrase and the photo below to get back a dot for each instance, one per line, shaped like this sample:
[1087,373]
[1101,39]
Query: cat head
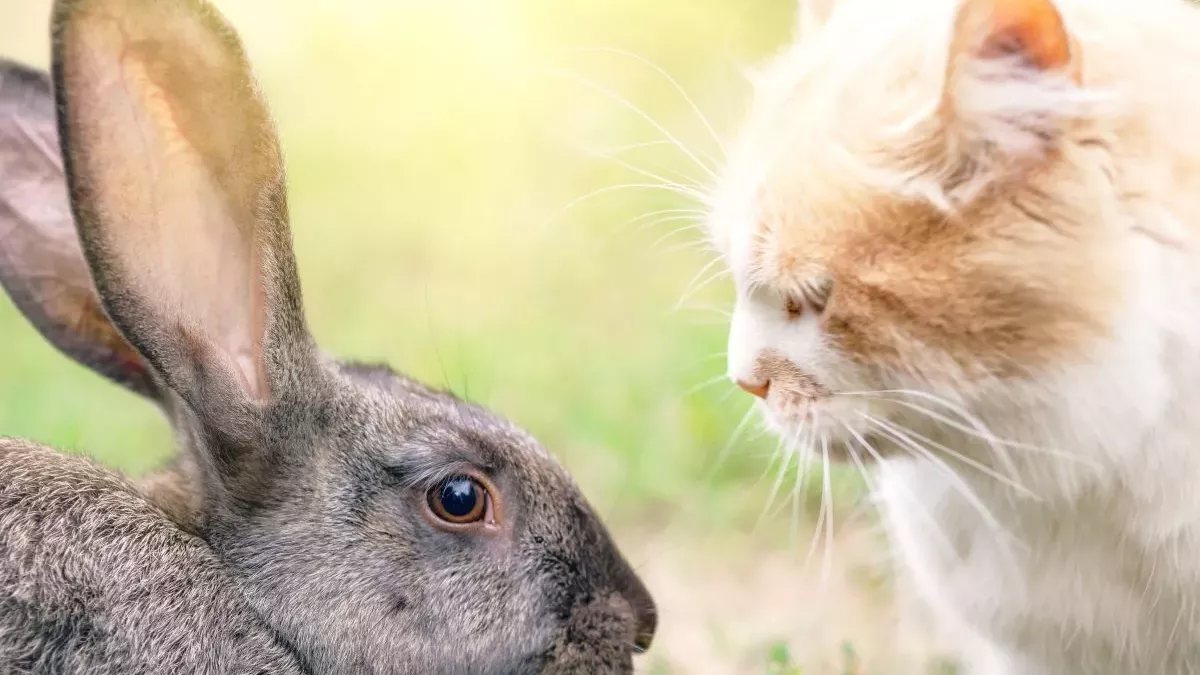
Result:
[922,199]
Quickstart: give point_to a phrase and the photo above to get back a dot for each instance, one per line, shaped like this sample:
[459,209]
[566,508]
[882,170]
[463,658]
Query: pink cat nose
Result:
[759,390]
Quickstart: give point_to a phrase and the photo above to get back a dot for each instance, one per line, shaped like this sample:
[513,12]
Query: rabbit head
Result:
[379,525]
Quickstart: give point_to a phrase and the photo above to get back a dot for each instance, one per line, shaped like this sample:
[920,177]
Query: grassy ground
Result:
[432,148]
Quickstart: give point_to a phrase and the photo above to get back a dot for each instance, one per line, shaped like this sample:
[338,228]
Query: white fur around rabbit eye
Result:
[461,501]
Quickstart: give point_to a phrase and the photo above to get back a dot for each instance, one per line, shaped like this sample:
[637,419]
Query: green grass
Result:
[432,147]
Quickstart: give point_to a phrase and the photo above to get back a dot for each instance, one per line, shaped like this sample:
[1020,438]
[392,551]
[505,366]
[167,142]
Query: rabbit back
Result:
[95,579]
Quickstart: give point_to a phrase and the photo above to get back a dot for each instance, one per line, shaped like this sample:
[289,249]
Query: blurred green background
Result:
[455,214]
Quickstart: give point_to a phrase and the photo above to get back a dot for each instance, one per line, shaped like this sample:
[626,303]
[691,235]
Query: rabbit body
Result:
[321,516]
[95,579]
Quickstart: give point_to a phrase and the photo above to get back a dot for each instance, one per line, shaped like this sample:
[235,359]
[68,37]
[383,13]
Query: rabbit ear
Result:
[177,186]
[41,263]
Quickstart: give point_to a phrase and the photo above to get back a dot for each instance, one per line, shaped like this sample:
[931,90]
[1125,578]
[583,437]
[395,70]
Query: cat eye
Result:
[459,500]
[814,295]
[794,307]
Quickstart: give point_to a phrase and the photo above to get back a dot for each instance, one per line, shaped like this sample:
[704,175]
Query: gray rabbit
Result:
[321,516]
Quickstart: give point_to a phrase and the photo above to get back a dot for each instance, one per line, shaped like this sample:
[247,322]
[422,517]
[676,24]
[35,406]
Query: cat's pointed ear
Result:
[176,182]
[1013,76]
[41,264]
[811,16]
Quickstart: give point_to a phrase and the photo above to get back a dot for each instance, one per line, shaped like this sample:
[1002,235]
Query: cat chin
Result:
[835,428]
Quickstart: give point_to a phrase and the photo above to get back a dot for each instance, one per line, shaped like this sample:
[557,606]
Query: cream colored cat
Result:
[964,239]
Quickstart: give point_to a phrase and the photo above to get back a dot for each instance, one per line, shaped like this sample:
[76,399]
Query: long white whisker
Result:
[692,223]
[734,437]
[980,428]
[689,290]
[826,502]
[612,95]
[982,468]
[611,188]
[961,485]
[692,188]
[636,146]
[944,540]
[803,459]
[702,244]
[697,287]
[981,432]
[788,453]
[679,88]
[865,506]
[714,310]
[812,547]
[697,213]
[704,385]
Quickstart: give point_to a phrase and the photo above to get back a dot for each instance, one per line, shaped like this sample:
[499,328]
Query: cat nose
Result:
[758,389]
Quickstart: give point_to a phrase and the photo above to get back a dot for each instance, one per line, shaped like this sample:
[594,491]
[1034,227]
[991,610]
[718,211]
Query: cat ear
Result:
[1013,77]
[811,16]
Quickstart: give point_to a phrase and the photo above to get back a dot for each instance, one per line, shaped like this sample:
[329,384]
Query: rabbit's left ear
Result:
[177,185]
[41,264]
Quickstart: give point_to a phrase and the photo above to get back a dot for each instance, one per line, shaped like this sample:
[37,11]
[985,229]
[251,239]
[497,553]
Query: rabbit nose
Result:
[758,389]
[647,623]
[645,613]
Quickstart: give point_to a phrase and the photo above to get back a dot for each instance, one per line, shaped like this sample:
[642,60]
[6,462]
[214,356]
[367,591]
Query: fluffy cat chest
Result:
[1042,590]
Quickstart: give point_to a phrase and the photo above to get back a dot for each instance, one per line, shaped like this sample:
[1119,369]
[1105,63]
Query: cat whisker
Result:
[867,505]
[785,462]
[727,449]
[913,502]
[674,83]
[704,385]
[827,504]
[620,149]
[982,468]
[676,231]
[696,286]
[980,428]
[683,179]
[612,188]
[702,244]
[818,528]
[977,429]
[858,463]
[612,95]
[803,454]
[956,480]
[804,450]
[709,309]
[993,440]
[698,213]
[691,186]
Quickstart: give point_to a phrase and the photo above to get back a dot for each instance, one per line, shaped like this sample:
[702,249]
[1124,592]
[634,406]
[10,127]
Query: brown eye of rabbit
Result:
[460,500]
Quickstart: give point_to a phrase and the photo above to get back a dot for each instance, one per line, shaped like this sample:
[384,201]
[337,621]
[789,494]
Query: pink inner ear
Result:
[173,165]
[1031,29]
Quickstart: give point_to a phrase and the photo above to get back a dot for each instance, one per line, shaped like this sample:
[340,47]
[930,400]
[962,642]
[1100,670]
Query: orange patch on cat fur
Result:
[1019,275]
[996,289]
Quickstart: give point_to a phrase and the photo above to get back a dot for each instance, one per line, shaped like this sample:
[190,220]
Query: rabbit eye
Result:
[459,501]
